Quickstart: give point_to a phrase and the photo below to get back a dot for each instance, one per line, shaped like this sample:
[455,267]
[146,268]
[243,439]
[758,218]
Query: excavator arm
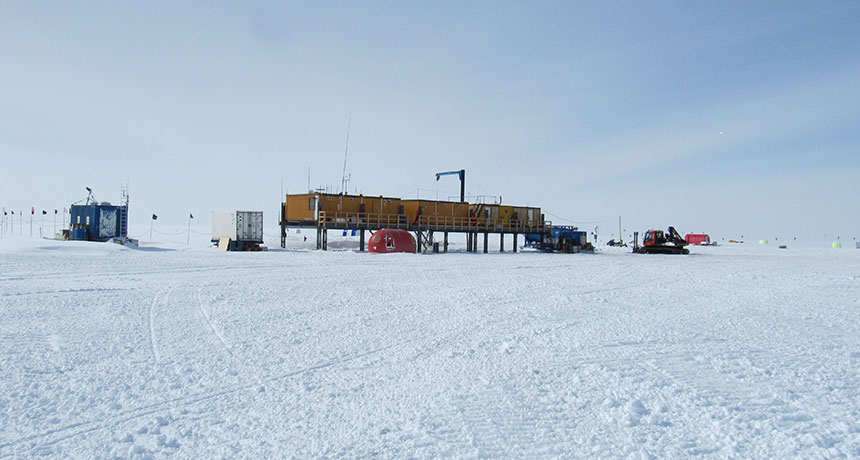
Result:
[672,236]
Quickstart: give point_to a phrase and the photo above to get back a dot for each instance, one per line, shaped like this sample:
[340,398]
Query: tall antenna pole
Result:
[344,180]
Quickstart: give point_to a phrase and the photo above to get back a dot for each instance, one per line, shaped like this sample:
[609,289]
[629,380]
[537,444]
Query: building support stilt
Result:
[283,226]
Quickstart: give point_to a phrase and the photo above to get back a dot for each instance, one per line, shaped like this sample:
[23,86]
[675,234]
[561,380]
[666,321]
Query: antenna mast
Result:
[345,178]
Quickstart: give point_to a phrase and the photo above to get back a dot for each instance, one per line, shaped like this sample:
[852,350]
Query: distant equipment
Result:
[238,230]
[658,242]
[561,238]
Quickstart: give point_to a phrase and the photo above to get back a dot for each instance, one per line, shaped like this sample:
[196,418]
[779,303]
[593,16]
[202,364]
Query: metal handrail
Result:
[402,221]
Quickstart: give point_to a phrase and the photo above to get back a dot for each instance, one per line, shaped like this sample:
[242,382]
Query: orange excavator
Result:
[659,242]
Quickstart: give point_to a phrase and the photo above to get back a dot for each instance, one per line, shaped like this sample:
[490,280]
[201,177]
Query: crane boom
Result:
[462,174]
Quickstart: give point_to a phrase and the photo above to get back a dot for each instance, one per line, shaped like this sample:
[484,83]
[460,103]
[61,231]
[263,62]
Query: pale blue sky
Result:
[727,117]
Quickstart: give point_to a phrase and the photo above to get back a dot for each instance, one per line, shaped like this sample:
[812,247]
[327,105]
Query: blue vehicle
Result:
[561,238]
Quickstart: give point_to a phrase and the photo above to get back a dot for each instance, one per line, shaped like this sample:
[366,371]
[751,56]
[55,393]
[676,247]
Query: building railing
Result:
[429,222]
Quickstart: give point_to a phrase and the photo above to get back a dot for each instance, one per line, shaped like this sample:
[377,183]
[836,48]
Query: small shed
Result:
[390,240]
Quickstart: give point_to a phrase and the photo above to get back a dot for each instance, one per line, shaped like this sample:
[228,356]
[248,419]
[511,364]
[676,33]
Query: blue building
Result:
[98,221]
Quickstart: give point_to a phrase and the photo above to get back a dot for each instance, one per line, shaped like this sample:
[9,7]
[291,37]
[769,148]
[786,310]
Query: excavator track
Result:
[661,250]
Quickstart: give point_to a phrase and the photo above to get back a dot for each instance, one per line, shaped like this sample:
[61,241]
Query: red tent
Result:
[391,240]
[697,238]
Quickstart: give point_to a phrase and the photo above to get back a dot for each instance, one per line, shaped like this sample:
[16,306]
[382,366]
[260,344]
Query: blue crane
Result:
[462,174]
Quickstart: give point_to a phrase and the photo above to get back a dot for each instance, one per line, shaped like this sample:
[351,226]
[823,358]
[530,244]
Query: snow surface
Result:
[732,352]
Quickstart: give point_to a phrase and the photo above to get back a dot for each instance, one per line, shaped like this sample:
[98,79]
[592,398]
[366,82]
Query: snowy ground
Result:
[169,352]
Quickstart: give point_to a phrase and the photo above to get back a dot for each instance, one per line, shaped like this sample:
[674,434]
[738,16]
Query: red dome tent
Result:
[391,240]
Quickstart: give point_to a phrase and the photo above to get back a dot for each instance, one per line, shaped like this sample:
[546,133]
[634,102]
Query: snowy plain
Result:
[170,351]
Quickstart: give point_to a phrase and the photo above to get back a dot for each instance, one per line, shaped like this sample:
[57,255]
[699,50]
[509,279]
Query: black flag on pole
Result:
[190,216]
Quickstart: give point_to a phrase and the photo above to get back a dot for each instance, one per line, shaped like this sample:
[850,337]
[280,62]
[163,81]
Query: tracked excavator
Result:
[659,242]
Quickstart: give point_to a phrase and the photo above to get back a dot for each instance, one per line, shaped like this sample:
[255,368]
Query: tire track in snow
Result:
[79,429]
[209,322]
[199,269]
[66,291]
[82,428]
[224,345]
[155,303]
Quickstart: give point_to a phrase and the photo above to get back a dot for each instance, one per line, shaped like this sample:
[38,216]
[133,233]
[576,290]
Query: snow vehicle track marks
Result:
[209,322]
[167,270]
[82,428]
[164,293]
[221,340]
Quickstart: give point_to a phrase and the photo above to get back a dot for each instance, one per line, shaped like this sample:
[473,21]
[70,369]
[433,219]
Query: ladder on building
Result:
[123,212]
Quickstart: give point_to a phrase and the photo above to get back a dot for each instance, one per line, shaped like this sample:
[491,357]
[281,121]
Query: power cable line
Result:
[472,179]
[581,221]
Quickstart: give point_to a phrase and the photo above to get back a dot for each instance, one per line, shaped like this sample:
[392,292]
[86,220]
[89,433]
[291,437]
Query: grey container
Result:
[245,226]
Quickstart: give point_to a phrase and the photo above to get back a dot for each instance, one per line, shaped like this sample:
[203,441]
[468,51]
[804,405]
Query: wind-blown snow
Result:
[734,351]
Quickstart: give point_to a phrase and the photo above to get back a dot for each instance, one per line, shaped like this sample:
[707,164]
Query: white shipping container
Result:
[238,226]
